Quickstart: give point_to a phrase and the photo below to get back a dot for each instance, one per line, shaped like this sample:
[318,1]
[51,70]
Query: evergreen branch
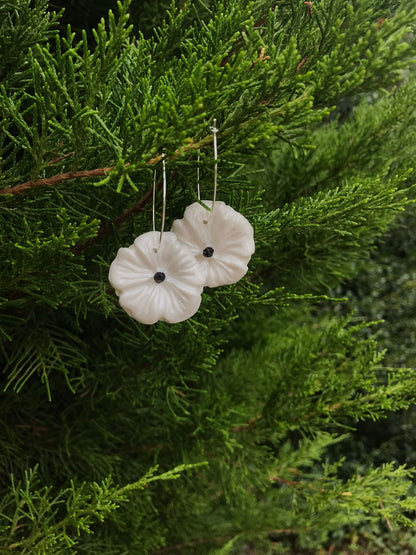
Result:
[106,227]
[99,500]
[201,541]
[193,543]
[248,426]
[189,147]
[240,40]
[294,483]
[98,172]
[60,158]
[57,179]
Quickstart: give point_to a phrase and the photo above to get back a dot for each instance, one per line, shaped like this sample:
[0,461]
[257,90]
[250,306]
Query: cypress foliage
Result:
[219,433]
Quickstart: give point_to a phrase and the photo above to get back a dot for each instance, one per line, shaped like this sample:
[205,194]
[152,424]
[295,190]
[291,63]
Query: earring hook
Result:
[163,198]
[162,227]
[154,201]
[197,175]
[214,132]
[214,196]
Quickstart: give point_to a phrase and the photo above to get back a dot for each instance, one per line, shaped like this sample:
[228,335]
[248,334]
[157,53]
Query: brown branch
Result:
[57,179]
[289,483]
[201,541]
[310,8]
[59,158]
[98,172]
[301,64]
[388,523]
[261,58]
[293,483]
[281,531]
[228,56]
[193,543]
[249,425]
[101,172]
[106,227]
[138,207]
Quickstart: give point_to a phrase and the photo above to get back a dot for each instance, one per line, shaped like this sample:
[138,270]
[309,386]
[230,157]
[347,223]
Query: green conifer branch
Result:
[257,383]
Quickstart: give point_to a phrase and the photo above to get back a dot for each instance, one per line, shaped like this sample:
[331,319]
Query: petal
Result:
[228,232]
[191,230]
[224,271]
[142,303]
[147,249]
[127,270]
[132,274]
[179,303]
[163,301]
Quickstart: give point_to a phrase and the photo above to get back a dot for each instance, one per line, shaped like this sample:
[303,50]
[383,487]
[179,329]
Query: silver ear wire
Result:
[162,227]
[198,190]
[154,201]
[214,132]
[163,199]
[214,196]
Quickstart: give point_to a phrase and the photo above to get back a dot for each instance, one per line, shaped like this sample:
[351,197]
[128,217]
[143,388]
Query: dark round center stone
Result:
[208,252]
[159,277]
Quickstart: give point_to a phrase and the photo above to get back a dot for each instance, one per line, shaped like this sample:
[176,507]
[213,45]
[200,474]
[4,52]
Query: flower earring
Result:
[157,278]
[220,238]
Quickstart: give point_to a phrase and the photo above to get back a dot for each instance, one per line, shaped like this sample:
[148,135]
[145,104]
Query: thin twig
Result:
[261,58]
[289,483]
[60,158]
[388,523]
[106,227]
[139,206]
[281,531]
[220,539]
[98,172]
[248,426]
[228,56]
[192,543]
[57,179]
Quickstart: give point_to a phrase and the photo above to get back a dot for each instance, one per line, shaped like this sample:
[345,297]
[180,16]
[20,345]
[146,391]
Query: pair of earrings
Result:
[162,274]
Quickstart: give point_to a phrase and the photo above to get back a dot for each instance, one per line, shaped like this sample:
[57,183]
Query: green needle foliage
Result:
[218,434]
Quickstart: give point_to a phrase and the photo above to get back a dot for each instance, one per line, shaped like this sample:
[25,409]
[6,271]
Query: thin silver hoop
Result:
[214,196]
[214,132]
[154,201]
[163,202]
[198,190]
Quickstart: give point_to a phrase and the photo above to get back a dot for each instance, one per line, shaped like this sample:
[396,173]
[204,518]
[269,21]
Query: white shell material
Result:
[164,285]
[221,240]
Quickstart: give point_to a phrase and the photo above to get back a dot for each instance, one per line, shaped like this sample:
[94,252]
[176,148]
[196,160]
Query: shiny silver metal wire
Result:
[162,227]
[214,196]
[214,133]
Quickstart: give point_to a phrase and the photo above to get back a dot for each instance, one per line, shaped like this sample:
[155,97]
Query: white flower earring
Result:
[157,279]
[220,238]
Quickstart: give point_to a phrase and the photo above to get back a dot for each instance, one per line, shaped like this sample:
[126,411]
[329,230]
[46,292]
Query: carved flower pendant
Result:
[157,283]
[222,241]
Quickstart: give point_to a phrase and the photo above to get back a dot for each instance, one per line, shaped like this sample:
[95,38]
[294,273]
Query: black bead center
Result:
[159,277]
[208,252]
